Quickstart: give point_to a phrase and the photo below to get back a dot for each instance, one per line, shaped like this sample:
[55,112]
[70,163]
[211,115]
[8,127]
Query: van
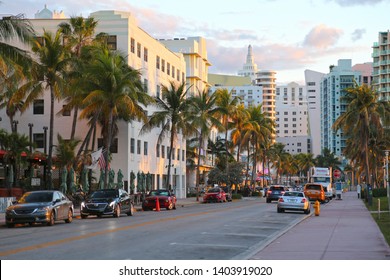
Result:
[315,192]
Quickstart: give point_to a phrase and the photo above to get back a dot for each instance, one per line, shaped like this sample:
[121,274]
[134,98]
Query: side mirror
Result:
[56,201]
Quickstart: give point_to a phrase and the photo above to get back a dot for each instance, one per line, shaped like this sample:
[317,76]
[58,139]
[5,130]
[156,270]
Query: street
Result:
[219,231]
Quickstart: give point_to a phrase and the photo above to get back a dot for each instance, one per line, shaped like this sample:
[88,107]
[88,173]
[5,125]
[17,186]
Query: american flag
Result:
[102,161]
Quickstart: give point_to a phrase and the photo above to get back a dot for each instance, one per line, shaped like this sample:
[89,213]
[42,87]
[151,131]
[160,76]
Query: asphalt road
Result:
[219,231]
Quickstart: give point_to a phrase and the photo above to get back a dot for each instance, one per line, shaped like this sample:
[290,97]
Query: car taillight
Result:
[281,199]
[269,191]
[303,200]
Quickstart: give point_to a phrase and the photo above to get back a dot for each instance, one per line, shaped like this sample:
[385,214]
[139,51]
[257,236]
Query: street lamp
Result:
[45,151]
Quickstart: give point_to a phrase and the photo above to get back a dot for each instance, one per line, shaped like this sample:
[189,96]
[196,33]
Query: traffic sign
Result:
[336,173]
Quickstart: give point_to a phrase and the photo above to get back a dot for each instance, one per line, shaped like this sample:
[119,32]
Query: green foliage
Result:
[236,196]
[381,192]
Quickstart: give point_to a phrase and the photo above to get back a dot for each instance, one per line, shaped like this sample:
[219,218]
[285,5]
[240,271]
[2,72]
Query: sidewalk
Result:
[344,230]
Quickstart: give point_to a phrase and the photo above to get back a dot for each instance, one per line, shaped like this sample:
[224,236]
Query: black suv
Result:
[274,192]
[107,202]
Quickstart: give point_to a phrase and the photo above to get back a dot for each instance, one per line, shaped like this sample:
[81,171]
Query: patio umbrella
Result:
[119,179]
[64,175]
[132,185]
[111,177]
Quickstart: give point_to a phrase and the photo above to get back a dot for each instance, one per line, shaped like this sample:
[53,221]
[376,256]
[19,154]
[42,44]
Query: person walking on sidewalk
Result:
[358,190]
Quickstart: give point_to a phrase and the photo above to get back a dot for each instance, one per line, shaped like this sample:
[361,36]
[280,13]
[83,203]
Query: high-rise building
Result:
[250,67]
[381,65]
[340,77]
[292,118]
[267,80]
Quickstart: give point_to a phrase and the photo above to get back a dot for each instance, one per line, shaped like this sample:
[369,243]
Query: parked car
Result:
[315,192]
[107,202]
[166,199]
[45,207]
[274,192]
[215,194]
[295,201]
[228,192]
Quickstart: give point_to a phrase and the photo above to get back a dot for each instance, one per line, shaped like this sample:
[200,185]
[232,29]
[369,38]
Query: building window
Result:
[132,45]
[168,68]
[178,154]
[173,71]
[139,50]
[178,75]
[168,149]
[145,148]
[132,145]
[158,91]
[163,65]
[158,150]
[162,151]
[158,62]
[38,139]
[138,147]
[38,107]
[65,112]
[146,85]
[183,154]
[146,54]
[111,42]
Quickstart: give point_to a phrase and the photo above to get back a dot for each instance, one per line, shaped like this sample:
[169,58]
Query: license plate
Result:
[292,200]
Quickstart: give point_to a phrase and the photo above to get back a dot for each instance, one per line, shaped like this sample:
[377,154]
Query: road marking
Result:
[209,245]
[104,232]
[236,234]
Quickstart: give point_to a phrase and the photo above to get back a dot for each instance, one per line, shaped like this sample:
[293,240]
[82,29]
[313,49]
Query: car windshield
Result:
[213,190]
[165,193]
[36,197]
[277,188]
[104,194]
[299,194]
[313,187]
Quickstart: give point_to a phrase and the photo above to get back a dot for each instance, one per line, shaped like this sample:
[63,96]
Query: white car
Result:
[294,201]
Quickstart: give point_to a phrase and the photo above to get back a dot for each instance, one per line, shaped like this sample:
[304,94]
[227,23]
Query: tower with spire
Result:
[250,67]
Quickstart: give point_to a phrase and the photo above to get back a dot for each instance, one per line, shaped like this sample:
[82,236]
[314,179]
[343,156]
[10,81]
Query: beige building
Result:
[381,65]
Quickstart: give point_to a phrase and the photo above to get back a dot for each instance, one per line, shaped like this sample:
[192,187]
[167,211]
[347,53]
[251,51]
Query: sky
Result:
[286,36]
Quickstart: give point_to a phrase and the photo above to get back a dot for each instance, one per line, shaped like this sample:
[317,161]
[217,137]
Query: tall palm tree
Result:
[115,93]
[239,120]
[203,118]
[278,157]
[48,76]
[78,33]
[364,115]
[227,106]
[172,116]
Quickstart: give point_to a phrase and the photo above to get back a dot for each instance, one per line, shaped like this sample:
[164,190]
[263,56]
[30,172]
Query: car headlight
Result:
[41,210]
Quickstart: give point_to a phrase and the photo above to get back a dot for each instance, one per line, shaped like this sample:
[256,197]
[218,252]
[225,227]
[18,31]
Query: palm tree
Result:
[19,28]
[239,120]
[48,75]
[115,92]
[362,119]
[278,157]
[203,118]
[227,106]
[172,116]
[78,32]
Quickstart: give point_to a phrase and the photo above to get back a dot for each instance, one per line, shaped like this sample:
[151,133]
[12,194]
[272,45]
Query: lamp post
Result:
[45,151]
[168,166]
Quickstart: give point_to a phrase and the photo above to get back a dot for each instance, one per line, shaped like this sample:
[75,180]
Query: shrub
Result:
[380,192]
[236,196]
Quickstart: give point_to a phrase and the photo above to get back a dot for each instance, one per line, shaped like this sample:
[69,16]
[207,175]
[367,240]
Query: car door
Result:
[125,200]
[58,205]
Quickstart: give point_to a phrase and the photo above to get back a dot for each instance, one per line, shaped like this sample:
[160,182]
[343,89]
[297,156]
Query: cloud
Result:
[357,34]
[322,37]
[346,3]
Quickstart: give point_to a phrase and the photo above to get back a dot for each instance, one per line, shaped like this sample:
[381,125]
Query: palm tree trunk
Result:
[51,134]
[198,165]
[75,114]
[170,158]
[108,145]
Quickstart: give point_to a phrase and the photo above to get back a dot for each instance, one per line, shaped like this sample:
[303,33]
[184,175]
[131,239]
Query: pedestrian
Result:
[358,190]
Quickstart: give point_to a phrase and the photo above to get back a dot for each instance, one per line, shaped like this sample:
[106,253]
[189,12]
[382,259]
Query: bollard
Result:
[316,208]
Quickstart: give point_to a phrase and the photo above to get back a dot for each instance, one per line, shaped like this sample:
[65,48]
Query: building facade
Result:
[158,66]
[381,65]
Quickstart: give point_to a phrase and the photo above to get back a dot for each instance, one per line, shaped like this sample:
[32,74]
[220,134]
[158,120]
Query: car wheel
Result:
[131,211]
[268,200]
[170,206]
[70,216]
[279,210]
[174,206]
[10,225]
[307,211]
[84,216]
[52,217]
[117,212]
[145,208]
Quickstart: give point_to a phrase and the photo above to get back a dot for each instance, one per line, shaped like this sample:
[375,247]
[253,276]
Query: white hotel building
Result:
[159,63]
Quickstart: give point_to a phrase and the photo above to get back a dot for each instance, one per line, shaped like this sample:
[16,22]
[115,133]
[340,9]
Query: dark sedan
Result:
[44,207]
[107,202]
[166,199]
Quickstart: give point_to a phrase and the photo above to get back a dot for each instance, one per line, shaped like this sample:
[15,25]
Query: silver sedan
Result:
[294,201]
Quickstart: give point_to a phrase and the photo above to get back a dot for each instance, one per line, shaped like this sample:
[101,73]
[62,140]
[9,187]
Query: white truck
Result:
[323,176]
